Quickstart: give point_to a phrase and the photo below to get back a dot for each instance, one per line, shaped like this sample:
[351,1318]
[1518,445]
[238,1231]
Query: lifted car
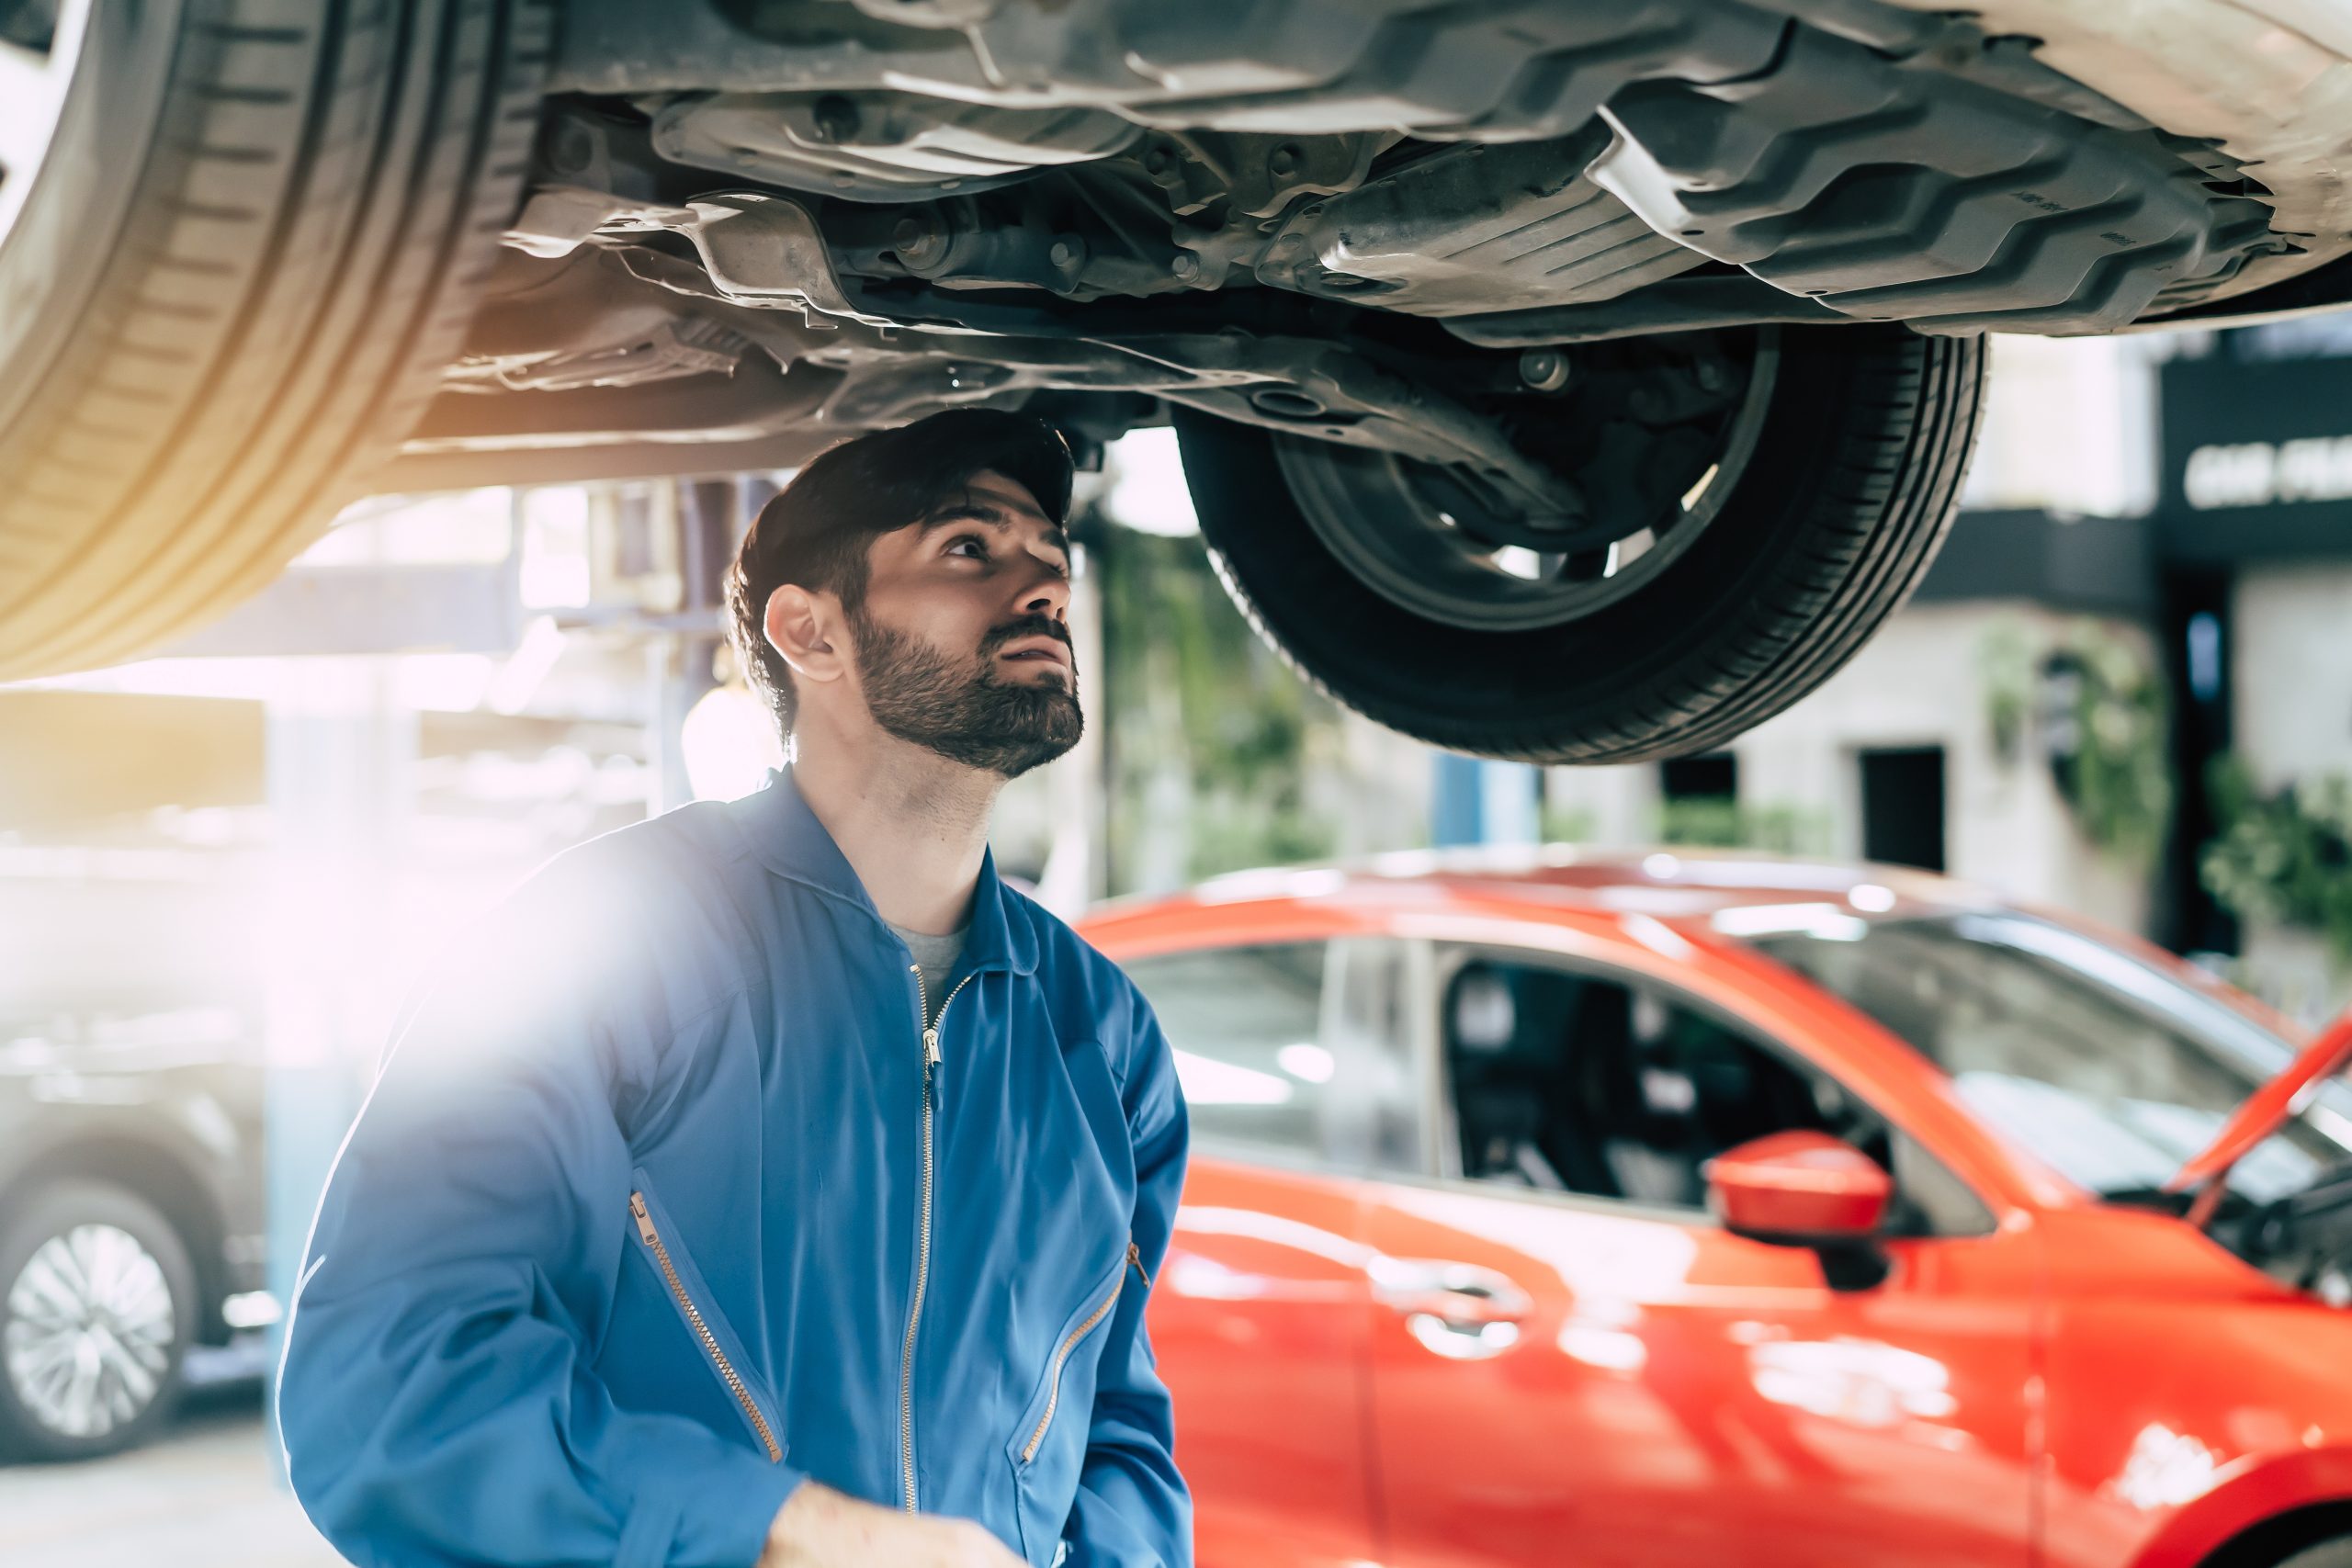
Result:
[1563,381]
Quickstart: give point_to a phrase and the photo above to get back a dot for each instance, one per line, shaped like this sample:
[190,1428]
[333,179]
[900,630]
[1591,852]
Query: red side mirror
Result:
[1799,1190]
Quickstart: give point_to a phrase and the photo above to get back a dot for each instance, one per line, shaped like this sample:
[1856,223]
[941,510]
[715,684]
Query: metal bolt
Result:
[1186,266]
[1544,369]
[834,117]
[917,241]
[1067,251]
[1283,160]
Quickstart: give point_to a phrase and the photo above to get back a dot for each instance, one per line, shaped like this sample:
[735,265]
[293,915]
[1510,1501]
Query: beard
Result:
[917,692]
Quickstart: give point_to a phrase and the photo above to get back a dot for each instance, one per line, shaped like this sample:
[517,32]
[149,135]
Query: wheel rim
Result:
[91,1326]
[41,48]
[1387,530]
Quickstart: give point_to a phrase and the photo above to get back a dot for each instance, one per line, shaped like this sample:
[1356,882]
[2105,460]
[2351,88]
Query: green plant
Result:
[1719,822]
[1566,824]
[2092,700]
[2285,856]
[1210,737]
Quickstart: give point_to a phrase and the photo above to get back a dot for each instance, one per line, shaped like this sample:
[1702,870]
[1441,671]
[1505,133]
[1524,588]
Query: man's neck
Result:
[911,824]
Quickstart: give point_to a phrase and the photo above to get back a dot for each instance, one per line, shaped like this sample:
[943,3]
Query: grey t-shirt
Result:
[935,956]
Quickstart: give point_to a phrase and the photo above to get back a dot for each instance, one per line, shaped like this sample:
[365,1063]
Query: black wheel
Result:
[1758,503]
[239,239]
[97,1308]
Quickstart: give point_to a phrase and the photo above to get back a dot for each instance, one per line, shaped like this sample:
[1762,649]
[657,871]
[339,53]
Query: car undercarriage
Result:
[1504,318]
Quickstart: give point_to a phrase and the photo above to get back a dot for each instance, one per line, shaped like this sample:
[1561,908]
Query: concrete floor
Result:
[200,1495]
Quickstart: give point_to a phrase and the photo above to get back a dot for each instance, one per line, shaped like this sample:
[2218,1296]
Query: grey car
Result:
[132,1202]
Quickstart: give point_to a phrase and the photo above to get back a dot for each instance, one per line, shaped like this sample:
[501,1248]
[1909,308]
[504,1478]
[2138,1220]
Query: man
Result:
[769,1184]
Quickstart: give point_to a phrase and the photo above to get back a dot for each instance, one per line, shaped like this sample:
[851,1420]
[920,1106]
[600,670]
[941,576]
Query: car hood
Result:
[2266,1108]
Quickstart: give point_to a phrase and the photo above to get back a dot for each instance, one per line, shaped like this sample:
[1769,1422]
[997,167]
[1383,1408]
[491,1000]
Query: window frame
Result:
[1346,1118]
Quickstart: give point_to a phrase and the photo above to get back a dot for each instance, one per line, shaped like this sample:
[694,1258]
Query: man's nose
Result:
[1048,593]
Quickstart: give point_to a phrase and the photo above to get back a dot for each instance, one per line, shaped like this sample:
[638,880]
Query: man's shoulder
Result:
[642,904]
[679,850]
[1071,967]
[1062,953]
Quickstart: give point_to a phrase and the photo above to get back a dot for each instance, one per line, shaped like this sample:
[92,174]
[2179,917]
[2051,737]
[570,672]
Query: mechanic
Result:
[768,1183]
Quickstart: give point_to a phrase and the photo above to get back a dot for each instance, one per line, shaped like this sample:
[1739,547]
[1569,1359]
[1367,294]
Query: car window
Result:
[1580,1081]
[1246,1026]
[2109,1072]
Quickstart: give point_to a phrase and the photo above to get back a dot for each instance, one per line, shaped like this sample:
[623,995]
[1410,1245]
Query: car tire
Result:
[249,241]
[98,1256]
[1844,492]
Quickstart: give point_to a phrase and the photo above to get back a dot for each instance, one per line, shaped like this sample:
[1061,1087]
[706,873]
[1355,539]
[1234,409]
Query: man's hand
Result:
[819,1528]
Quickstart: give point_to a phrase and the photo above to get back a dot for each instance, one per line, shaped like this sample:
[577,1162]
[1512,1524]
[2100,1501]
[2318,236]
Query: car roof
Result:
[1665,883]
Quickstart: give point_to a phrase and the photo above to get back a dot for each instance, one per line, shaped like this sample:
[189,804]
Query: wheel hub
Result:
[90,1326]
[1658,451]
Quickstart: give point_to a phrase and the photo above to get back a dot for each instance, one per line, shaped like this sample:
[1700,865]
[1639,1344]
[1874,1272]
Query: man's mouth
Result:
[1037,650]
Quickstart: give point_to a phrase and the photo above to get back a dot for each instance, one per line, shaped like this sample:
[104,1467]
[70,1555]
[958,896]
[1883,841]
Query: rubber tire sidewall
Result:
[49,1211]
[1853,481]
[272,241]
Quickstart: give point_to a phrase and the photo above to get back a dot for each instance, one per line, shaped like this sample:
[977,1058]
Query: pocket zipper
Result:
[652,1239]
[1093,1321]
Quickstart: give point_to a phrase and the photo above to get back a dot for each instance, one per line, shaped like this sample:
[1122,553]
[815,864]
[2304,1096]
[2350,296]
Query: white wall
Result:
[1920,682]
[2070,426]
[2292,681]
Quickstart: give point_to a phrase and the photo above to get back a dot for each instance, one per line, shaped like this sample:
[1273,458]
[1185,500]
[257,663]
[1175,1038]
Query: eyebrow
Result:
[995,516]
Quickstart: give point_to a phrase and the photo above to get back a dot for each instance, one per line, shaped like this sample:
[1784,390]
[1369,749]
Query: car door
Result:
[1572,1363]
[1259,1315]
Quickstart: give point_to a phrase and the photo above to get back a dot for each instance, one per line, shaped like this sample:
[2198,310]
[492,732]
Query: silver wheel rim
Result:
[1368,514]
[91,1324]
[35,81]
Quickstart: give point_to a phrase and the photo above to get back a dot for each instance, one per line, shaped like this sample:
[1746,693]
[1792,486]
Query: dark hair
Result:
[815,532]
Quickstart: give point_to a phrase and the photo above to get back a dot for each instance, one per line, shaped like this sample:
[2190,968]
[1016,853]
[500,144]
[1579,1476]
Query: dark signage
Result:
[2257,458]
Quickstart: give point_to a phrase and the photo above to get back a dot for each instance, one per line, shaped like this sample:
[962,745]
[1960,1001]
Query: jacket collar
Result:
[790,840]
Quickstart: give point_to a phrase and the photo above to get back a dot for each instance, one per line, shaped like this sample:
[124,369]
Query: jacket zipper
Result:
[1093,1321]
[922,1233]
[652,1239]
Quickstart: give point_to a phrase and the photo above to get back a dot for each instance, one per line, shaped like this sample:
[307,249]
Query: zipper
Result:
[1093,1321]
[726,1373]
[923,1232]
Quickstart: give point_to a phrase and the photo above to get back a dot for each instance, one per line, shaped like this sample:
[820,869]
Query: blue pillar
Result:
[1457,800]
[1473,801]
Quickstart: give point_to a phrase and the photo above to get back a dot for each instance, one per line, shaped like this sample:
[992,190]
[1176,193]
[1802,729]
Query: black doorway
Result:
[1903,806]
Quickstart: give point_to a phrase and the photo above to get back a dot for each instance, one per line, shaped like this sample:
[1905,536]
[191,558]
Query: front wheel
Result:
[1758,503]
[97,1309]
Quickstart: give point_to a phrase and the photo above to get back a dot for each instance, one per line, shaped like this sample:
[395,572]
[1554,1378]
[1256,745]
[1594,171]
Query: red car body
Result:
[1378,1360]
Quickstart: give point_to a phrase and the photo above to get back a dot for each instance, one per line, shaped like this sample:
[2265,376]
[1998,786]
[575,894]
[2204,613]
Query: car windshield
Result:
[2108,1069]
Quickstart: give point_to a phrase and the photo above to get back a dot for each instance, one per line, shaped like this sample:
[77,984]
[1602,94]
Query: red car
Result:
[1709,1210]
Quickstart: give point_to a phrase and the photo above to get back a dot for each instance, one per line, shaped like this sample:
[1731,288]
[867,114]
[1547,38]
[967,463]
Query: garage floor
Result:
[199,1496]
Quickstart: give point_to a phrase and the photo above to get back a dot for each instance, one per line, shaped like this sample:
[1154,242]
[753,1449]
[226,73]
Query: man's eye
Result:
[979,546]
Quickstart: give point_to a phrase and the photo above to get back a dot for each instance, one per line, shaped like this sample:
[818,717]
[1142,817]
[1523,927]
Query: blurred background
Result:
[2125,691]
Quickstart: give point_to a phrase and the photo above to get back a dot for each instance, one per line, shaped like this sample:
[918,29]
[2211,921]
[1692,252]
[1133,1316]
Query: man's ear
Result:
[809,630]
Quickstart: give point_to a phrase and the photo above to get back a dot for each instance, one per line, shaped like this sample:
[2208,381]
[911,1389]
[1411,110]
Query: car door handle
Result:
[1455,1310]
